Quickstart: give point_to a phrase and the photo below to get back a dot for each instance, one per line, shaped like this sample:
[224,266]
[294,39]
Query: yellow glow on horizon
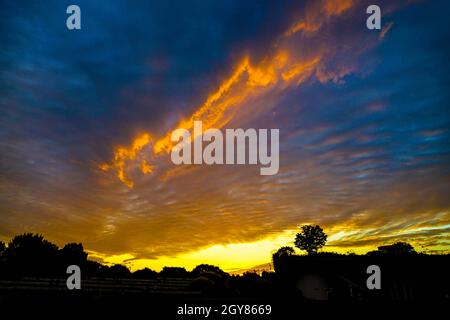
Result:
[230,257]
[240,256]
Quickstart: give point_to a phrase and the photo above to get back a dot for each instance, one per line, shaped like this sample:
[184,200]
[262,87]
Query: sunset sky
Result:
[86,117]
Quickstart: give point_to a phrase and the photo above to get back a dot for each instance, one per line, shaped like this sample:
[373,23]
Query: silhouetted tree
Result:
[204,285]
[73,253]
[284,252]
[94,269]
[251,276]
[396,249]
[206,268]
[118,271]
[209,279]
[310,239]
[145,273]
[31,254]
[175,272]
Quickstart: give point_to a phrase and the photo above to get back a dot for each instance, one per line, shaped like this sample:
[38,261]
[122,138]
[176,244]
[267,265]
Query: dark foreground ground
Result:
[171,298]
[319,287]
[168,307]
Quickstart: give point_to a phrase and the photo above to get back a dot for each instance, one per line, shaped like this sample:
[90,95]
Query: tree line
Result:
[311,238]
[31,255]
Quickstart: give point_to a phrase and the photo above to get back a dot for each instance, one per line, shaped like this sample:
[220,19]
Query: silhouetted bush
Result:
[396,249]
[118,271]
[270,276]
[282,253]
[174,272]
[251,284]
[145,273]
[206,268]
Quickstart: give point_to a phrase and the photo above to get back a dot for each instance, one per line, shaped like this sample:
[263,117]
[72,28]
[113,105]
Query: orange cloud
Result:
[282,68]
[316,17]
[122,154]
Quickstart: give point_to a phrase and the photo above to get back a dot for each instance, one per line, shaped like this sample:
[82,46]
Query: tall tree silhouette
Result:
[73,253]
[31,254]
[310,239]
